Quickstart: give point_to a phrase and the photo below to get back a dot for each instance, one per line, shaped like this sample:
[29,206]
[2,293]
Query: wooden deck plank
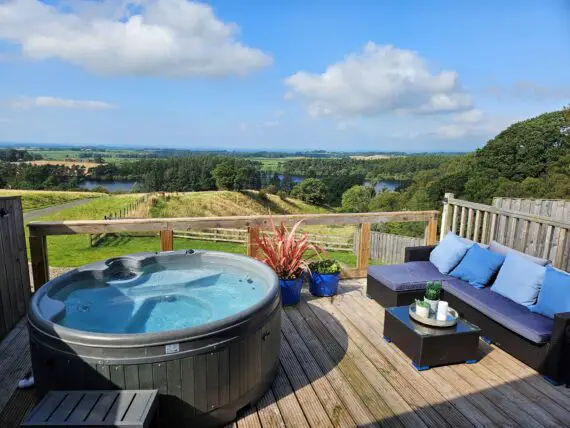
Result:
[373,400]
[401,408]
[432,383]
[377,364]
[437,398]
[376,314]
[333,406]
[337,370]
[268,411]
[287,402]
[333,389]
[308,400]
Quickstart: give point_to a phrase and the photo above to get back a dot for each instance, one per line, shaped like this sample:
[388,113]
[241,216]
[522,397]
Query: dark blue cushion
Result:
[511,315]
[554,296]
[406,276]
[478,266]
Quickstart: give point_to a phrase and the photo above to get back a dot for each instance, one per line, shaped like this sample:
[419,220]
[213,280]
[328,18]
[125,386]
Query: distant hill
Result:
[227,203]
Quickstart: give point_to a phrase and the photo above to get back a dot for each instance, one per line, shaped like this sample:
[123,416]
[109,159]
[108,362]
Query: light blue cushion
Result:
[448,253]
[478,266]
[554,296]
[519,279]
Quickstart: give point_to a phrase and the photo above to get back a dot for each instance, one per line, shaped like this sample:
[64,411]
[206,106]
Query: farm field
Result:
[272,164]
[86,164]
[37,199]
[75,250]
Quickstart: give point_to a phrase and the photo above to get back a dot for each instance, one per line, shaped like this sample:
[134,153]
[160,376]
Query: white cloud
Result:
[160,38]
[27,102]
[469,116]
[377,80]
[271,123]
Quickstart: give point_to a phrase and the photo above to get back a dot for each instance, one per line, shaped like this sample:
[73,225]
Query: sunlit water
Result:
[157,301]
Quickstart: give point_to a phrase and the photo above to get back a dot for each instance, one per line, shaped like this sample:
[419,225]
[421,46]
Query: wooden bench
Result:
[132,409]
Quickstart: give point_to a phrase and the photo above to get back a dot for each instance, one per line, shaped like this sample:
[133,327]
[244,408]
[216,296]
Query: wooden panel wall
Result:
[387,247]
[533,238]
[15,289]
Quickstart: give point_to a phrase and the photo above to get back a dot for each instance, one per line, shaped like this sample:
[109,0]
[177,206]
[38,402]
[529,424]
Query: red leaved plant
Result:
[283,251]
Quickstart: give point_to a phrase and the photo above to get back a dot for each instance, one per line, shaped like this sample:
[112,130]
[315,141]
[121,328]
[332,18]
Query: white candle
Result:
[442,310]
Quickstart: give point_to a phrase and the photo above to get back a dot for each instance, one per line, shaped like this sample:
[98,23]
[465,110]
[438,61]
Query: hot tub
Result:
[202,327]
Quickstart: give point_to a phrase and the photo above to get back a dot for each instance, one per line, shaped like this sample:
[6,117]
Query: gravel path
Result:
[30,215]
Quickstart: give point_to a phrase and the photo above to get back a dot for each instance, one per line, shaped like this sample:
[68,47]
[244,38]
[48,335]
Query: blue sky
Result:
[279,75]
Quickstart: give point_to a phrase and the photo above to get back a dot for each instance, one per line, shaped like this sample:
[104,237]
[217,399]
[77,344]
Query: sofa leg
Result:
[420,368]
[486,340]
[552,381]
[470,361]
[386,339]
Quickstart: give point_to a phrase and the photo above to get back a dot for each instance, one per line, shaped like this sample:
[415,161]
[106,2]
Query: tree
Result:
[311,190]
[357,199]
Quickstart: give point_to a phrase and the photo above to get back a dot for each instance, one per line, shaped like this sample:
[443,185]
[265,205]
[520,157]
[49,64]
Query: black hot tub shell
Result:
[204,374]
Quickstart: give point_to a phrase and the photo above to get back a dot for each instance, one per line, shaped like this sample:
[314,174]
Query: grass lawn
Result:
[37,199]
[74,250]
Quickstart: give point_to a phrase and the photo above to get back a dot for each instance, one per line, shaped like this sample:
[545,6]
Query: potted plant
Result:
[422,308]
[286,254]
[433,293]
[324,278]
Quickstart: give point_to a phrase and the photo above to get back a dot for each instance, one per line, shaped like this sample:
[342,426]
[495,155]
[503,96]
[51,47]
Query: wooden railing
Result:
[39,231]
[533,234]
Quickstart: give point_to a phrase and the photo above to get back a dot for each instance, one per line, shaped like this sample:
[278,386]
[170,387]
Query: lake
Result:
[391,185]
[111,186]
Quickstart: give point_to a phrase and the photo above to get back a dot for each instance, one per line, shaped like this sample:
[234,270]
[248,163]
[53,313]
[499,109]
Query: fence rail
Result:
[39,231]
[537,235]
[328,242]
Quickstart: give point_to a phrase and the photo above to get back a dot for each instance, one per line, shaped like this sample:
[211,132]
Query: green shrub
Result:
[328,266]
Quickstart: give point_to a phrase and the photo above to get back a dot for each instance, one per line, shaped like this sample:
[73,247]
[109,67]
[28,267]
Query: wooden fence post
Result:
[166,240]
[562,239]
[363,248]
[446,215]
[252,246]
[430,233]
[39,256]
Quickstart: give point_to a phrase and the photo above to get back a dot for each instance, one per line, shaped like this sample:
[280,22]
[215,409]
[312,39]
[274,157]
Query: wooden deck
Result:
[336,370]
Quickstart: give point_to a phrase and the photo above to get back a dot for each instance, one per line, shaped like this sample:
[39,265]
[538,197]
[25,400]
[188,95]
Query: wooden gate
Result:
[14,276]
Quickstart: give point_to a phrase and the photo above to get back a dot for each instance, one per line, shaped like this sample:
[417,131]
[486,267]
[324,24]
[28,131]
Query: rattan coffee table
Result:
[431,346]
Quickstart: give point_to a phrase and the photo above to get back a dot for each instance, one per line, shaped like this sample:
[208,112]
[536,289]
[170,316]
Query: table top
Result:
[401,313]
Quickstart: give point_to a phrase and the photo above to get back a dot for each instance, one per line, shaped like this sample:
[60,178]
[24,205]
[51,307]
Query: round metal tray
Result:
[452,316]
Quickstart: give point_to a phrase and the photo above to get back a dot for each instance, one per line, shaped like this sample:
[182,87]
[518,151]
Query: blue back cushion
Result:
[519,279]
[478,266]
[554,296]
[449,252]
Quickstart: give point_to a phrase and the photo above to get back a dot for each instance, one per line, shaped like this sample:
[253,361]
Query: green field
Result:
[75,250]
[37,199]
[272,164]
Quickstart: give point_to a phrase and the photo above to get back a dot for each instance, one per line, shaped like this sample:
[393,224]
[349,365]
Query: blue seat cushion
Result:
[406,276]
[511,315]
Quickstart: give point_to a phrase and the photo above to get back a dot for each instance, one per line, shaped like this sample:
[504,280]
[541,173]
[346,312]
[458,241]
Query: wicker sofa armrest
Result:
[556,363]
[417,254]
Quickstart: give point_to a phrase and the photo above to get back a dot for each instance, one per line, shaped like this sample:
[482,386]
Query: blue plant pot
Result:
[291,290]
[323,285]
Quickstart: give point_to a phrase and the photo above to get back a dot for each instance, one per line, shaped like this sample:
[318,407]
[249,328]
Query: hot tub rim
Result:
[86,338]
